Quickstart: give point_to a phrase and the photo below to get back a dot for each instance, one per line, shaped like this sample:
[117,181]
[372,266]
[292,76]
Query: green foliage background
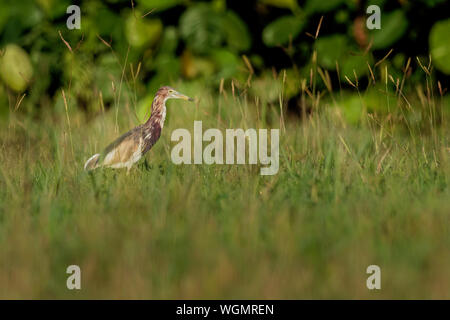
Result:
[363,177]
[201,42]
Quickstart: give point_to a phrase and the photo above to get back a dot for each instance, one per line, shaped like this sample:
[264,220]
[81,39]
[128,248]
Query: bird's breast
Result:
[151,135]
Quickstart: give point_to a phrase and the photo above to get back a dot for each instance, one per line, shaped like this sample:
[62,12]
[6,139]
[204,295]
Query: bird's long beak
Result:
[182,96]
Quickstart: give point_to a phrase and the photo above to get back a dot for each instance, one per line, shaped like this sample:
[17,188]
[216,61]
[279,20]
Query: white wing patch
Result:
[163,117]
[93,158]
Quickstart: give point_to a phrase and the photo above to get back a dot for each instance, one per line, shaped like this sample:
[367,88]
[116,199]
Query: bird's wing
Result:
[123,148]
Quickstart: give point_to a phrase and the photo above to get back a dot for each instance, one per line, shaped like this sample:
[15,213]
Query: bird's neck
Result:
[158,113]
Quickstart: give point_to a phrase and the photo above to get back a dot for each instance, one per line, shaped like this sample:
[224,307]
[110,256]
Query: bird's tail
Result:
[92,162]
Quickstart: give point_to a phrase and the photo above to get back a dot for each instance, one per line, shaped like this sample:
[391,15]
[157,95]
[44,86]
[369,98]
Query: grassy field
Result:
[345,197]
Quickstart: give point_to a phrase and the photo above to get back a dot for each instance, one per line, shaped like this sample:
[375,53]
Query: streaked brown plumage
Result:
[132,145]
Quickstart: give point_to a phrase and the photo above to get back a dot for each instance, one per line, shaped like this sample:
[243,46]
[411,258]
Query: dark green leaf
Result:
[313,6]
[159,4]
[393,26]
[280,31]
[331,49]
[201,28]
[236,32]
[440,45]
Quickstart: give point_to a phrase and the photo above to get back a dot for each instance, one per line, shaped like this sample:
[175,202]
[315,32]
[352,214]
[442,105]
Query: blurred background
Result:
[206,43]
[364,149]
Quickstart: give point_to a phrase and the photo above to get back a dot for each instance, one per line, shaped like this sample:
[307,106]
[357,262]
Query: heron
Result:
[130,147]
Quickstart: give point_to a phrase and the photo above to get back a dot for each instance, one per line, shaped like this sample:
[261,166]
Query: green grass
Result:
[345,197]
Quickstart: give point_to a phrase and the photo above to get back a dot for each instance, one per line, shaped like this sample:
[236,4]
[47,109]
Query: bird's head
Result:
[170,93]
